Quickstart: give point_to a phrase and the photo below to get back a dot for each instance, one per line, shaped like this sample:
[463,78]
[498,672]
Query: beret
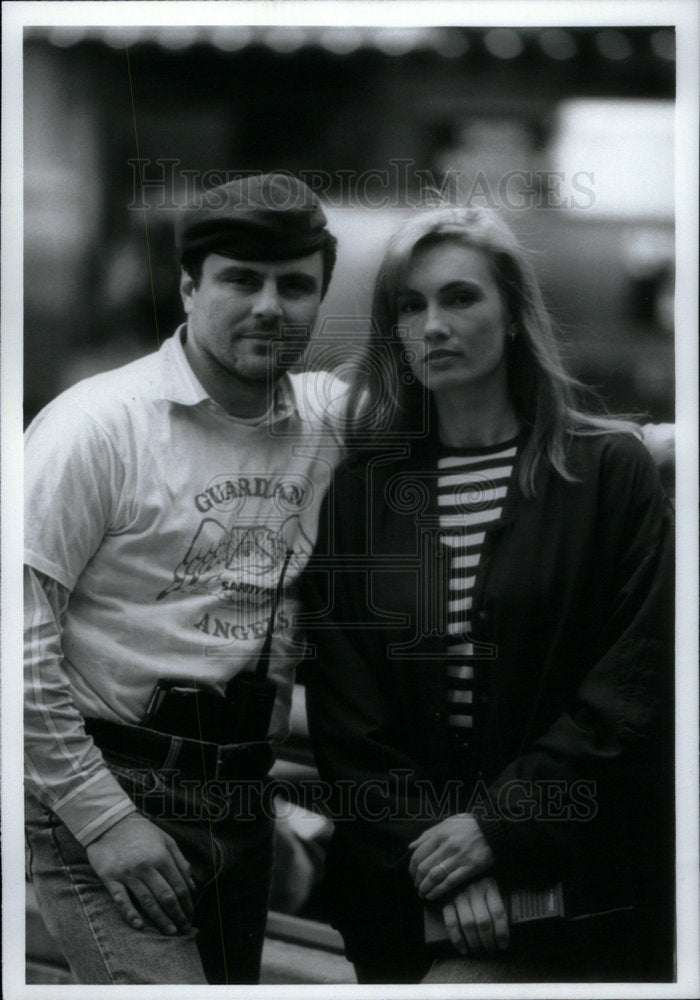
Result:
[257,217]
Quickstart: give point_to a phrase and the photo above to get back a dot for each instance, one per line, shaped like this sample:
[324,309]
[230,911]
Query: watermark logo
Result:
[397,796]
[164,184]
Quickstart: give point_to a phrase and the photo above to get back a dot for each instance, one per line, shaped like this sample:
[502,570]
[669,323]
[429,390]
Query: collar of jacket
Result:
[401,479]
[403,475]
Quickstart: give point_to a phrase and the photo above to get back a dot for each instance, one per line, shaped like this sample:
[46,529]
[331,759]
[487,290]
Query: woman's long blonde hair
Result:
[384,396]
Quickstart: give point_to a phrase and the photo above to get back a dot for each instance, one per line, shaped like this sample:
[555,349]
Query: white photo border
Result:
[521,13]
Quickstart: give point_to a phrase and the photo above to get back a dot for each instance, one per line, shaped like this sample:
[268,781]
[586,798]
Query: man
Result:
[164,502]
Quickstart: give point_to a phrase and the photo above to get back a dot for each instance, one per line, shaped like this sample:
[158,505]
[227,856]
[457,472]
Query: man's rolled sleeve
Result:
[64,769]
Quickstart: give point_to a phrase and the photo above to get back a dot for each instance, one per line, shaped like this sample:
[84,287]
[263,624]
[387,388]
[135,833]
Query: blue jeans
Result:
[231,858]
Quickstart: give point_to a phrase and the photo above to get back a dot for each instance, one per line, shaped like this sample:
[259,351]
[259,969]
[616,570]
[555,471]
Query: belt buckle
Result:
[223,761]
[219,762]
[235,761]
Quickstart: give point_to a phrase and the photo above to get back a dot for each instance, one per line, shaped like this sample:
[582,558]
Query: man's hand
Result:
[137,856]
[447,855]
[476,919]
[660,440]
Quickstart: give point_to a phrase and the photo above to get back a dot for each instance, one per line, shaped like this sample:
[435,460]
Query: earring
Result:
[512,330]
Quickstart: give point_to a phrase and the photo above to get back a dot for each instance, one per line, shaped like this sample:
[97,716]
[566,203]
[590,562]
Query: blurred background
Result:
[568,131]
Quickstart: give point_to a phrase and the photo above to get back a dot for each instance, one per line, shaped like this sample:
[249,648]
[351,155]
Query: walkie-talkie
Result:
[532,914]
[251,694]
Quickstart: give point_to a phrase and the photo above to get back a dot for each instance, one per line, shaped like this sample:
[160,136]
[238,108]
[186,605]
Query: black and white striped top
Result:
[472,484]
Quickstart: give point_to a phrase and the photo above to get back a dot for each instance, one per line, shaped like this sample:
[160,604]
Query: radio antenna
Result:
[264,658]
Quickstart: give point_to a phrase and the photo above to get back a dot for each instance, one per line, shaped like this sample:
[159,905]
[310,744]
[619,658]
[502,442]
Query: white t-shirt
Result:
[168,520]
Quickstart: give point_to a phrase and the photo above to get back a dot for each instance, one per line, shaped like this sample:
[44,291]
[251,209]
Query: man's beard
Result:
[278,359]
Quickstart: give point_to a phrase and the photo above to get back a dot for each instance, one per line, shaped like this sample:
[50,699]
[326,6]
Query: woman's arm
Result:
[612,736]
[368,778]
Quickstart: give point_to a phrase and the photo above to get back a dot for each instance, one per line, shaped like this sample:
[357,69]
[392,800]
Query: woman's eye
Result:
[464,298]
[409,305]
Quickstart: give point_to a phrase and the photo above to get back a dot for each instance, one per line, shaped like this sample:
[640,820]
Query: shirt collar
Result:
[181,385]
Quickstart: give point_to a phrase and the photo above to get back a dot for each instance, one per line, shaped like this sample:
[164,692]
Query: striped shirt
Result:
[472,484]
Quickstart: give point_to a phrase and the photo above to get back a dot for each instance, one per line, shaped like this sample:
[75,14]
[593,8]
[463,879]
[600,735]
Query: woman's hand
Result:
[476,919]
[447,855]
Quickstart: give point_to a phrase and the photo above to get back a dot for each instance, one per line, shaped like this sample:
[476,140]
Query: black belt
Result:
[212,761]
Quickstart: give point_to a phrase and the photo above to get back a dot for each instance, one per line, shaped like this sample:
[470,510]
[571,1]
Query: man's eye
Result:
[295,289]
[245,281]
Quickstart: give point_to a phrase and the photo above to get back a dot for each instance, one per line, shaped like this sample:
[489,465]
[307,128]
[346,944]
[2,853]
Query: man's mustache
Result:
[279,331]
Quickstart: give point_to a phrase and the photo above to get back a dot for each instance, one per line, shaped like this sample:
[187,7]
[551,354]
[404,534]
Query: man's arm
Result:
[660,442]
[66,772]
[64,769]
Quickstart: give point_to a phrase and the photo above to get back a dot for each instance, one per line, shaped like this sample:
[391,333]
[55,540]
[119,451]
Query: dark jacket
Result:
[569,767]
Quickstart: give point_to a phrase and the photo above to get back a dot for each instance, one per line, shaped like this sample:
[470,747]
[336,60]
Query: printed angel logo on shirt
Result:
[239,565]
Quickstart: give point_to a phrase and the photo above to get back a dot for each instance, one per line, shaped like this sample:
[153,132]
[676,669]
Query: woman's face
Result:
[452,318]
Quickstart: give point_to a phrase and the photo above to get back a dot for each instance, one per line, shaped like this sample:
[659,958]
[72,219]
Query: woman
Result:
[489,701]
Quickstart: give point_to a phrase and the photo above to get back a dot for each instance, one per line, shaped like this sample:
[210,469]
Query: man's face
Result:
[249,322]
